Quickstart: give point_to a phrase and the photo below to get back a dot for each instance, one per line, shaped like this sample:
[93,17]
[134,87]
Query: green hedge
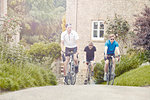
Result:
[130,61]
[137,77]
[13,77]
[99,72]
[40,51]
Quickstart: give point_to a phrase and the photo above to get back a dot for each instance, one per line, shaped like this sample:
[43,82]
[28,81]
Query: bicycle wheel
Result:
[109,74]
[89,74]
[108,79]
[73,76]
[89,79]
[112,80]
[69,78]
[113,77]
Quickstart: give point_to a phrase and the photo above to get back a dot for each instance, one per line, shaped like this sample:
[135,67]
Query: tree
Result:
[121,29]
[142,29]
[39,17]
[63,25]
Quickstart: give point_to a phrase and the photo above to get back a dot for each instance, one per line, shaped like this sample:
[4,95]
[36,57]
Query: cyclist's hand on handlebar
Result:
[118,58]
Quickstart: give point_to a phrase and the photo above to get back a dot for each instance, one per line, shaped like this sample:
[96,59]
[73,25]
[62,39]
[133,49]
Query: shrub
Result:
[142,29]
[11,26]
[13,77]
[14,55]
[136,77]
[132,60]
[121,29]
[99,72]
[39,51]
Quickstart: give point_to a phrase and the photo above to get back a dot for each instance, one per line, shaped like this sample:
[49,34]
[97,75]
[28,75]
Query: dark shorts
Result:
[88,60]
[67,50]
[108,56]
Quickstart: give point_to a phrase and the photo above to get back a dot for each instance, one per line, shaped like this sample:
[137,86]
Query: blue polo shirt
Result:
[111,47]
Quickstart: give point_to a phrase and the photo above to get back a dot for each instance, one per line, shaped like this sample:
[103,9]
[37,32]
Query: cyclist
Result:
[69,43]
[89,50]
[110,47]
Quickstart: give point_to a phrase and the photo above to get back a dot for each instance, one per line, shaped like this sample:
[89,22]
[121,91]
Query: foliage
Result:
[32,39]
[39,17]
[121,29]
[99,72]
[136,77]
[142,29]
[13,54]
[61,3]
[63,25]
[10,28]
[132,60]
[39,51]
[13,77]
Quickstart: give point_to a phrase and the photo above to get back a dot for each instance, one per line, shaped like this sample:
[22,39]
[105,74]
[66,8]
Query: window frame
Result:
[98,30]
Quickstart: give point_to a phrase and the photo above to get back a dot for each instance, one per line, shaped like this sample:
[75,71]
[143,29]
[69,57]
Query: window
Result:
[98,30]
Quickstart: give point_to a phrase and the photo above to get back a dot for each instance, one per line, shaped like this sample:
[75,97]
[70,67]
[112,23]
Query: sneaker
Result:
[92,74]
[66,79]
[76,69]
[105,77]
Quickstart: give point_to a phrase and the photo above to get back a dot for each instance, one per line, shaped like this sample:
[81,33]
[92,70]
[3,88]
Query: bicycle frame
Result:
[89,72]
[71,70]
[109,75]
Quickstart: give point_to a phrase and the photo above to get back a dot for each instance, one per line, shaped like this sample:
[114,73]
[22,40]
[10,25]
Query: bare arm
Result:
[106,50]
[84,59]
[118,51]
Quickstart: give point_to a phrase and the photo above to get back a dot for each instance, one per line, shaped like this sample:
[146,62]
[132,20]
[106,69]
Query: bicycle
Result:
[89,73]
[110,76]
[71,75]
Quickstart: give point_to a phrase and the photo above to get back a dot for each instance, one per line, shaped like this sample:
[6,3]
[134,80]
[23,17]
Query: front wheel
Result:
[73,79]
[73,76]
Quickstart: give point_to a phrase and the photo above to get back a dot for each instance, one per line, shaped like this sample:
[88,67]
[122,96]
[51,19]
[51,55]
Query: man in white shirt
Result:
[69,41]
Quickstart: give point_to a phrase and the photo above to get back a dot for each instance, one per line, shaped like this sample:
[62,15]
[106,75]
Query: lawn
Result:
[136,77]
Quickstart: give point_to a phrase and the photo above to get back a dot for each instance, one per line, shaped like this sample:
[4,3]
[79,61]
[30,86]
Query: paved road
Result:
[80,92]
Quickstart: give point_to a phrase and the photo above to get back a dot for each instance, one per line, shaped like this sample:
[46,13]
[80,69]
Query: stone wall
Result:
[81,13]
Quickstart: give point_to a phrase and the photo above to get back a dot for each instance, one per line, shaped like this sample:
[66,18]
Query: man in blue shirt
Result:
[110,47]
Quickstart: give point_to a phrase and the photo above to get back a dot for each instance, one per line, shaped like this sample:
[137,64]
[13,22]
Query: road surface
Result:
[80,92]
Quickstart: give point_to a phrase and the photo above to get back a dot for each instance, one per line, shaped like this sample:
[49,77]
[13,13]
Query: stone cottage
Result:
[88,16]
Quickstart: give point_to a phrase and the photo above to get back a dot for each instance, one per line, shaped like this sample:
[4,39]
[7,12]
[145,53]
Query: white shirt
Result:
[69,39]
